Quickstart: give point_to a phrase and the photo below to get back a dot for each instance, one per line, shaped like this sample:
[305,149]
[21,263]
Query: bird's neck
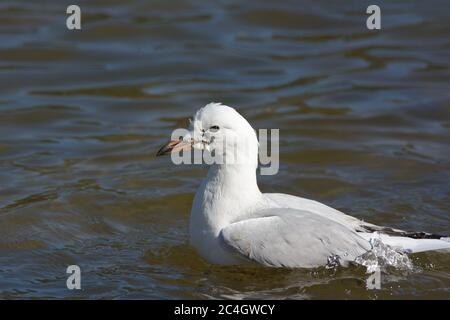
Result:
[236,182]
[228,191]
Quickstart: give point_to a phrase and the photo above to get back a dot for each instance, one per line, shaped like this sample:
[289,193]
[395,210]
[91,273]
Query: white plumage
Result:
[232,222]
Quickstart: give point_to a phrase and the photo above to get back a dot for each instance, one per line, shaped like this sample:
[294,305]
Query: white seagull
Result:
[232,222]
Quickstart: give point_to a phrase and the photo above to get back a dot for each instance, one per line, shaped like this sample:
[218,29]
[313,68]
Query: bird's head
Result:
[220,131]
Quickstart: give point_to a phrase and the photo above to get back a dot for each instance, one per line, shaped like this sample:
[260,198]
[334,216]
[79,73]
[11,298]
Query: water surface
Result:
[364,119]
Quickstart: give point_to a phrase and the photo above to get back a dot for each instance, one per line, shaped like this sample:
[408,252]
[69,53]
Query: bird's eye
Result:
[214,128]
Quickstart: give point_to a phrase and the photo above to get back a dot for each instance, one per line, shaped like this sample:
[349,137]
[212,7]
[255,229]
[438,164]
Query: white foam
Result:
[381,256]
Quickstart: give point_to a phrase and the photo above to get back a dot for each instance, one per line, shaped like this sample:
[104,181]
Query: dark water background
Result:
[364,127]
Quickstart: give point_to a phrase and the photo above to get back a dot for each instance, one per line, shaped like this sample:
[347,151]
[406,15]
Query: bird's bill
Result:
[174,146]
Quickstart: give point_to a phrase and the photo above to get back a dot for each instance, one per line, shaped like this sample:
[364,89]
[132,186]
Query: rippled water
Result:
[364,120]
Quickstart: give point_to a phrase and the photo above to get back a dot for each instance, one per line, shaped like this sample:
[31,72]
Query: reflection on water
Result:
[363,117]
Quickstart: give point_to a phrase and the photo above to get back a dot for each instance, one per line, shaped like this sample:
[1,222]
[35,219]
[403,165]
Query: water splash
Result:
[381,256]
[333,262]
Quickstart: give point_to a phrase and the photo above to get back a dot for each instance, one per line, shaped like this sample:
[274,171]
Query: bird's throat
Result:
[226,193]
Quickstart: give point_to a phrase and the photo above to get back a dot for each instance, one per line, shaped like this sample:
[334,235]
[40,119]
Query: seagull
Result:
[232,222]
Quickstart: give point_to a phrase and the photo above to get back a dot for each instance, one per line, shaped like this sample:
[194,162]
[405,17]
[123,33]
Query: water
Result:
[363,118]
[383,257]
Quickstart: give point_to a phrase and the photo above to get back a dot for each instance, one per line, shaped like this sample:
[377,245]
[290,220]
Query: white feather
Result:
[232,222]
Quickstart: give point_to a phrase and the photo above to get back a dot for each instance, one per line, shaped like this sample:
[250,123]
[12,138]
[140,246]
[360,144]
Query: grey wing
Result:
[292,238]
[323,210]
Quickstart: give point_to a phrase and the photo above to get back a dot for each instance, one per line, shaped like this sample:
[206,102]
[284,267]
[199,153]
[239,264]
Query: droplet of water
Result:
[381,256]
